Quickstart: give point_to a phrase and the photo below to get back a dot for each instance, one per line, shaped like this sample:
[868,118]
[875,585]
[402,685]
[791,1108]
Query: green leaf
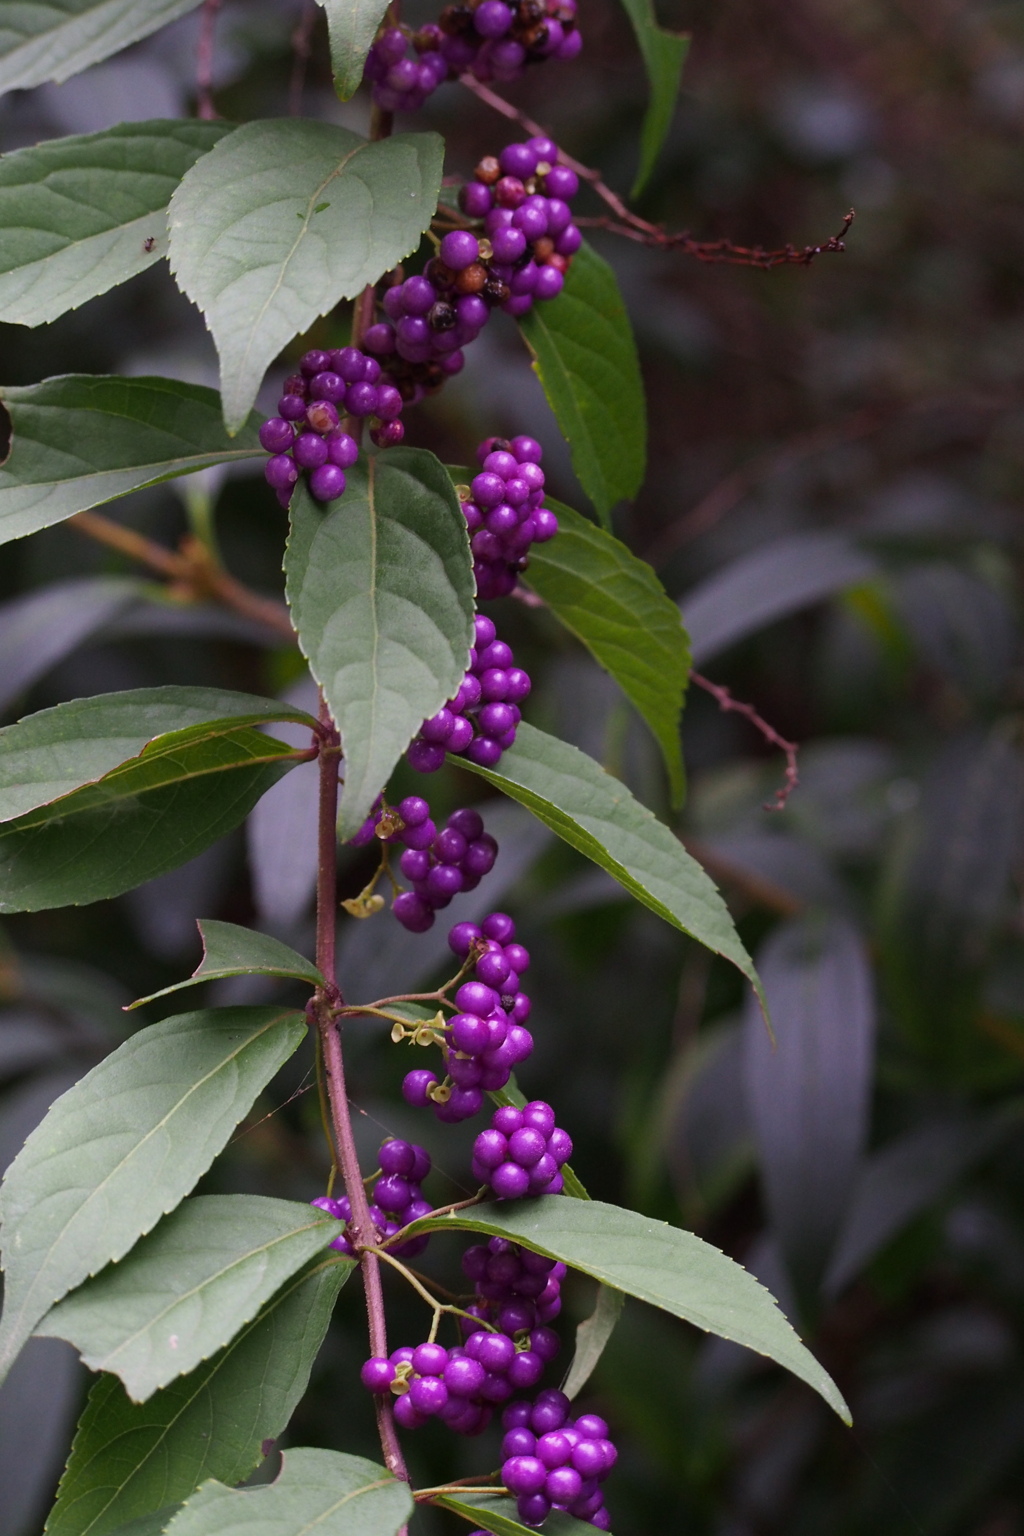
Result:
[585,357]
[130,1460]
[58,750]
[595,813]
[352,25]
[229,950]
[188,1287]
[380,585]
[326,1491]
[674,1270]
[664,55]
[55,39]
[248,248]
[496,1512]
[81,215]
[80,440]
[124,1146]
[591,1337]
[150,1525]
[152,814]
[616,605]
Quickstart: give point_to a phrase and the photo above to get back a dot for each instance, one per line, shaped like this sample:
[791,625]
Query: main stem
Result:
[328,997]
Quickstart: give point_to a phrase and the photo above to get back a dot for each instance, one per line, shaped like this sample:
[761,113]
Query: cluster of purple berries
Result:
[487,1038]
[440,864]
[522,1152]
[492,40]
[551,1460]
[480,721]
[462,1385]
[505,513]
[522,253]
[517,1290]
[396,1199]
[307,432]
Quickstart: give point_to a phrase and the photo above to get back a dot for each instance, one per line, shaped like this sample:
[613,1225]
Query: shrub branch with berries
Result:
[205,1314]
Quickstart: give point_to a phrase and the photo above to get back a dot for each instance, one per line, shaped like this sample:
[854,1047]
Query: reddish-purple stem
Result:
[725,701]
[328,998]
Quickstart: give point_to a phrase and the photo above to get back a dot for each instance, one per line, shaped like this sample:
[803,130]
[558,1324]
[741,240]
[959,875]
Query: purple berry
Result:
[417,915]
[281,471]
[327,482]
[510,1181]
[377,1374]
[425,756]
[416,1083]
[276,434]
[459,249]
[398,1157]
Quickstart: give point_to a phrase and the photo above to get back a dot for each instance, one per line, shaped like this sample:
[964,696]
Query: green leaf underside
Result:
[665,1266]
[591,1337]
[326,1491]
[124,1146]
[55,39]
[380,585]
[249,247]
[586,359]
[229,950]
[495,1512]
[351,25]
[129,1460]
[48,755]
[614,603]
[596,814]
[186,1288]
[151,815]
[82,439]
[82,214]
[664,54]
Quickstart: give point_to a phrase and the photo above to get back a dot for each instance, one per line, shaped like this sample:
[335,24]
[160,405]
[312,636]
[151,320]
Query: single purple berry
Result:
[475,198]
[459,249]
[310,450]
[428,1395]
[377,1374]
[417,915]
[342,449]
[416,1083]
[327,482]
[561,182]
[510,1182]
[276,434]
[475,997]
[464,1377]
[524,1474]
[281,471]
[425,756]
[398,1157]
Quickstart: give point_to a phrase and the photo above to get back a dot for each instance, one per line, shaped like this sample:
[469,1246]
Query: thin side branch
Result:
[192,570]
[725,701]
[633,227]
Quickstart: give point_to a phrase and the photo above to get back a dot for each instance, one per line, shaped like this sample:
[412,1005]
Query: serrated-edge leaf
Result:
[92,31]
[613,602]
[38,1187]
[254,954]
[309,1493]
[217,1447]
[380,586]
[592,1336]
[664,54]
[282,220]
[87,212]
[586,359]
[136,721]
[652,1261]
[190,1262]
[586,807]
[59,426]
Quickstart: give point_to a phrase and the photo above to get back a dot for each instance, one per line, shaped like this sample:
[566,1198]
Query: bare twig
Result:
[193,572]
[633,227]
[725,701]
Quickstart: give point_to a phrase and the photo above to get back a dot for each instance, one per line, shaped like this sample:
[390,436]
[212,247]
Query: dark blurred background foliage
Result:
[835,496]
